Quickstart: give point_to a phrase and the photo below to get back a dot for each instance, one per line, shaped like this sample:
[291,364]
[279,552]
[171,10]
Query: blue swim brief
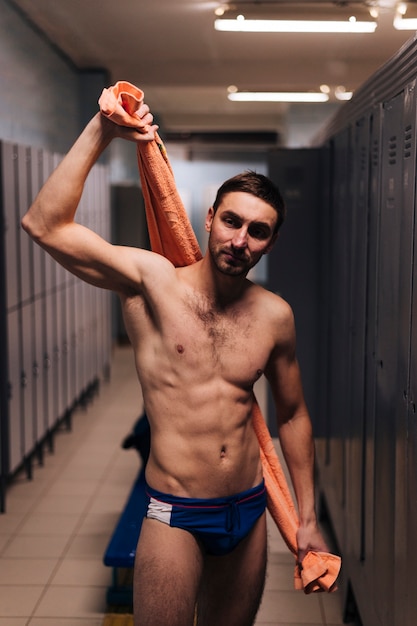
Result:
[219,524]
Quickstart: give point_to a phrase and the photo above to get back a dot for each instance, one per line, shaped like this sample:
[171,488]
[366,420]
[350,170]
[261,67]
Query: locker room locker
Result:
[334,470]
[49,364]
[8,157]
[411,460]
[404,586]
[355,476]
[376,119]
[14,394]
[388,338]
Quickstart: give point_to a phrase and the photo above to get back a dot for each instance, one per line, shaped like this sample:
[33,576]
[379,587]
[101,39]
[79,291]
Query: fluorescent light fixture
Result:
[401,22]
[344,95]
[275,96]
[240,24]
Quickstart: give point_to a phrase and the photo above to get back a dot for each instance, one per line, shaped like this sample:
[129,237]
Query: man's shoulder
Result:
[274,301]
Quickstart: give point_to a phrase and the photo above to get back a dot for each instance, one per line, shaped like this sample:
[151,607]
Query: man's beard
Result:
[229,262]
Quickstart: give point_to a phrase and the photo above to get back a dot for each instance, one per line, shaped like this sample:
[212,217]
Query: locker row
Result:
[56,328]
[367,450]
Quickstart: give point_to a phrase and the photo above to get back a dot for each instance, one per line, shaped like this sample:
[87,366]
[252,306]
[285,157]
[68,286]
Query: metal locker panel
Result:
[371,318]
[357,330]
[25,245]
[56,334]
[388,337]
[28,419]
[8,158]
[404,525]
[411,476]
[14,384]
[321,432]
[4,400]
[60,272]
[35,157]
[88,312]
[339,272]
[46,166]
[62,346]
[38,372]
[81,338]
[72,343]
[50,371]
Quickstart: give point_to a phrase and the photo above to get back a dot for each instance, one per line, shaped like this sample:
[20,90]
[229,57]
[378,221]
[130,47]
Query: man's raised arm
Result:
[50,219]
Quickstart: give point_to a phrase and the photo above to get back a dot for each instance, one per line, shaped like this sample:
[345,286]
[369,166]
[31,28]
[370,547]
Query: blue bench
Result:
[120,552]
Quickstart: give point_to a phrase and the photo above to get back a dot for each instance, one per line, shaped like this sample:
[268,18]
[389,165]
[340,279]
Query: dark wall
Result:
[294,262]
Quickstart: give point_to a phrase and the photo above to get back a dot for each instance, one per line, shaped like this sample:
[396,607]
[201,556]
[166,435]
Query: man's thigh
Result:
[168,567]
[232,585]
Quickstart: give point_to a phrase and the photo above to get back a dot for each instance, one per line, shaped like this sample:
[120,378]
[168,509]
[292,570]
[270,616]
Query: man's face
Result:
[241,231]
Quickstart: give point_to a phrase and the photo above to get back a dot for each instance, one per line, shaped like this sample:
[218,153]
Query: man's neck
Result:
[220,288]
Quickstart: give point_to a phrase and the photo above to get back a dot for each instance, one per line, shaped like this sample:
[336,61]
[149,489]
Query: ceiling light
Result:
[293,26]
[290,17]
[341,93]
[275,96]
[405,23]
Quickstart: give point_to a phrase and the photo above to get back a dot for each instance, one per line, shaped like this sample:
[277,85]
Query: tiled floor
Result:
[57,526]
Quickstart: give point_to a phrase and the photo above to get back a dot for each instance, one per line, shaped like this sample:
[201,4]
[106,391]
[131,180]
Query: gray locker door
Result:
[15,396]
[406,493]
[25,244]
[8,158]
[357,330]
[48,360]
[411,476]
[28,421]
[389,380]
[339,272]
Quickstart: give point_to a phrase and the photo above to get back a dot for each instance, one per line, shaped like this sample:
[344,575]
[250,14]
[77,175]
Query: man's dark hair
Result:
[258,185]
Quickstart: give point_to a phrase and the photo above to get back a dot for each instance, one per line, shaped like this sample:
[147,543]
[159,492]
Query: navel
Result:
[223,452]
[180,348]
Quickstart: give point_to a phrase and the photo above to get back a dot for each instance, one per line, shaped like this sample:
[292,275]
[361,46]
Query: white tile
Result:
[26,571]
[102,522]
[35,546]
[57,503]
[88,546]
[289,607]
[9,522]
[49,524]
[88,572]
[19,600]
[72,602]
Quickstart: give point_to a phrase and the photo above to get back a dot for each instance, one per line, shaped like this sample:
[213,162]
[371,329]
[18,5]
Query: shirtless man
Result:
[202,335]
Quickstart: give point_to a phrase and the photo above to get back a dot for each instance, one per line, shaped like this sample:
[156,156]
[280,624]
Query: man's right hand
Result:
[144,131]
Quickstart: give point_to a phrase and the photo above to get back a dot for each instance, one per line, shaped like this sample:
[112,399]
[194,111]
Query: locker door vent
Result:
[375,153]
[408,136]
[392,150]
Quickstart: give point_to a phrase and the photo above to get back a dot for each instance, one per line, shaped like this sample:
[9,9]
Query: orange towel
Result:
[171,235]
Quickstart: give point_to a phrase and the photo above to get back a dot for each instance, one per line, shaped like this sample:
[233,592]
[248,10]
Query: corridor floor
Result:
[57,525]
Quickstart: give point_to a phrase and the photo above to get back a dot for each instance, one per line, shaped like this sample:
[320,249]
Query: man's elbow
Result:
[33,227]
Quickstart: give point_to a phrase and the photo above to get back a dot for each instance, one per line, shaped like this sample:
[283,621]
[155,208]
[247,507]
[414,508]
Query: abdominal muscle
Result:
[203,449]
